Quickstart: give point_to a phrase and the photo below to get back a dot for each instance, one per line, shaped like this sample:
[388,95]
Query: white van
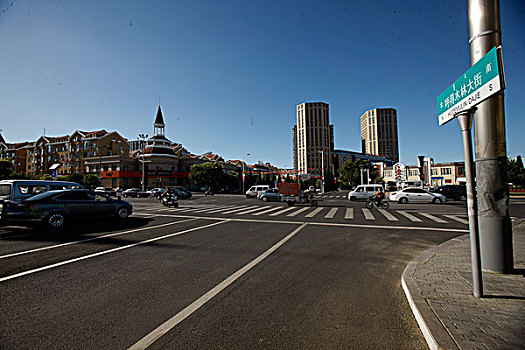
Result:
[363,192]
[16,190]
[255,190]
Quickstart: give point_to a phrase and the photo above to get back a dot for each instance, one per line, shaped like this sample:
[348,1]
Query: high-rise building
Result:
[379,133]
[313,139]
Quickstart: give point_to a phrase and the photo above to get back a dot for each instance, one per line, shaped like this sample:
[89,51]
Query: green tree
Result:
[6,168]
[210,174]
[76,177]
[90,180]
[350,174]
[516,172]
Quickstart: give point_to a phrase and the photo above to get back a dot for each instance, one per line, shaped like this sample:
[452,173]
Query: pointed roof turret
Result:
[159,120]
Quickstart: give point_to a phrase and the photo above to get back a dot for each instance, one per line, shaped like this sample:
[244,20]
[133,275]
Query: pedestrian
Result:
[119,193]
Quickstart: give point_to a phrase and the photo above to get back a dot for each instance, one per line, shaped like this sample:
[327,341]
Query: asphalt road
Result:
[221,272]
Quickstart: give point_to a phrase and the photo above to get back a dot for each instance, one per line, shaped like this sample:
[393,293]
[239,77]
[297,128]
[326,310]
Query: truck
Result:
[291,194]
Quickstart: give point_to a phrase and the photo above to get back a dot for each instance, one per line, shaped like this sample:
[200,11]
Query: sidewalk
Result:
[439,290]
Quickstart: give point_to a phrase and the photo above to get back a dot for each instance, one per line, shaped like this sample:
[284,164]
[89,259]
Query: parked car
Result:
[416,194]
[363,192]
[255,190]
[457,192]
[156,192]
[181,192]
[106,190]
[135,192]
[270,195]
[16,190]
[55,208]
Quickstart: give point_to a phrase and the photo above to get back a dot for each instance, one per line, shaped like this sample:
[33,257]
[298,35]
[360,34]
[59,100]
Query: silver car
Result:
[416,194]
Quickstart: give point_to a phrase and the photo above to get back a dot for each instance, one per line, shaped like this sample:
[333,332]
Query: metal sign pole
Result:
[465,123]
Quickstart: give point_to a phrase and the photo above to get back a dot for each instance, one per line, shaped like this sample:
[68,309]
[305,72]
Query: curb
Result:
[435,333]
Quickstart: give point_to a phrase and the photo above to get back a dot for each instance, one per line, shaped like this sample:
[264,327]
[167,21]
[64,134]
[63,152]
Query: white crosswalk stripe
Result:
[223,209]
[331,213]
[282,211]
[250,211]
[433,218]
[349,214]
[409,216]
[313,213]
[266,211]
[454,217]
[368,215]
[389,216]
[299,211]
[240,209]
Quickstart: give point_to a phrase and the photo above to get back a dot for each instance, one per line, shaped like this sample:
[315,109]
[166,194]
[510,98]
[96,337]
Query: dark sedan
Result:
[55,208]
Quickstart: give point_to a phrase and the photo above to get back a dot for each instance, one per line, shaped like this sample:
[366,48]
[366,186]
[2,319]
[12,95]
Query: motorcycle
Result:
[209,192]
[170,201]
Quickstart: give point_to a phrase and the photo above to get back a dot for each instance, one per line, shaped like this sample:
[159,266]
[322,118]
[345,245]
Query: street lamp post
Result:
[322,170]
[143,137]
[247,154]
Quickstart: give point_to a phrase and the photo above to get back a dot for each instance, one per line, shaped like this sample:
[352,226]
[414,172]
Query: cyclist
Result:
[379,196]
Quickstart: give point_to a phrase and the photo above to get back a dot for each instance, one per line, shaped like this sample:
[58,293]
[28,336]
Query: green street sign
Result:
[481,81]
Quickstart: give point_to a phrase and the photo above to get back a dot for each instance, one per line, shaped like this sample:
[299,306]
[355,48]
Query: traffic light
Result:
[421,161]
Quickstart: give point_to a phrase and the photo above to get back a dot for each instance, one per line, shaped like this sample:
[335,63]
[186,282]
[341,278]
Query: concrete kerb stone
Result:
[435,333]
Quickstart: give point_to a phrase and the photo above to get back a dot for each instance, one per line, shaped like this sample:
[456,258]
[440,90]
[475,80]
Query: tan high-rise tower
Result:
[379,133]
[313,139]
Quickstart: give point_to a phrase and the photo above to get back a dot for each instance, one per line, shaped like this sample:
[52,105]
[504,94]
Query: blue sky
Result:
[229,74]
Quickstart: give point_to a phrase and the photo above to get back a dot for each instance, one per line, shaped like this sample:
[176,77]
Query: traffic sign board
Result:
[481,81]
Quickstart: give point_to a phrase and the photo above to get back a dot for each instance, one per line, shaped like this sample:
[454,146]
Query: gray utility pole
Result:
[465,124]
[490,147]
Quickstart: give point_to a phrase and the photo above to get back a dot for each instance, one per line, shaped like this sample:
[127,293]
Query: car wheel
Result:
[437,201]
[314,203]
[125,195]
[56,221]
[462,197]
[353,198]
[122,213]
[265,199]
[403,200]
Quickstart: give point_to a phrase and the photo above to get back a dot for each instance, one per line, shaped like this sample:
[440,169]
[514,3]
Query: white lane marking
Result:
[282,211]
[389,216]
[409,216]
[267,211]
[238,207]
[251,211]
[94,238]
[197,304]
[331,213]
[241,209]
[66,262]
[454,217]
[218,207]
[299,211]
[368,215]
[313,213]
[433,218]
[273,221]
[349,214]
